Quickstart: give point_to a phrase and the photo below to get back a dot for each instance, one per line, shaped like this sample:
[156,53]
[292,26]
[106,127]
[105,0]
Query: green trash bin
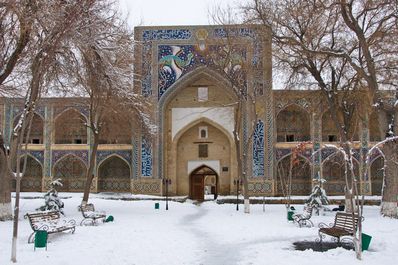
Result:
[365,241]
[290,215]
[109,219]
[157,206]
[41,239]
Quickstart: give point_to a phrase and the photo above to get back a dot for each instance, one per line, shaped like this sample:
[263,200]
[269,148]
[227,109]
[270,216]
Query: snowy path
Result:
[216,252]
[189,234]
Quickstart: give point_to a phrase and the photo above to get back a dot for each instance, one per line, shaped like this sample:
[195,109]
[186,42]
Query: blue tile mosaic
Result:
[102,155]
[174,61]
[258,150]
[166,34]
[146,157]
[59,154]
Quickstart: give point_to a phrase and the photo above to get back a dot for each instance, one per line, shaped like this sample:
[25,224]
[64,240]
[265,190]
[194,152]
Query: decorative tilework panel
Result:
[235,32]
[104,154]
[146,157]
[258,150]
[280,153]
[39,155]
[146,187]
[174,61]
[135,159]
[326,152]
[17,110]
[58,154]
[146,69]
[166,34]
[260,187]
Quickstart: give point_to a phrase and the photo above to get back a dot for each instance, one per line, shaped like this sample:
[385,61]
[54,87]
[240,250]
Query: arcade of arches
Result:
[193,108]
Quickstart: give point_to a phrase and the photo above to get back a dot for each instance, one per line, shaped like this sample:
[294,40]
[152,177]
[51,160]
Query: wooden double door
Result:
[197,183]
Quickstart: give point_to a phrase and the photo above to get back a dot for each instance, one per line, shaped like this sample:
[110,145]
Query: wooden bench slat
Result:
[344,225]
[50,222]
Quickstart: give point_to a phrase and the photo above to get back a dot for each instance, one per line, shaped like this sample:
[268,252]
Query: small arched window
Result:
[203,132]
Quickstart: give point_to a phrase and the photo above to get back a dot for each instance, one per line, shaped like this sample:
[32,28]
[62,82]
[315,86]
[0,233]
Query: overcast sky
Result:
[171,12]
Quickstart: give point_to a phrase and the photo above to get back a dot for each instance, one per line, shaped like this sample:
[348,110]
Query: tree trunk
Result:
[5,189]
[390,185]
[89,173]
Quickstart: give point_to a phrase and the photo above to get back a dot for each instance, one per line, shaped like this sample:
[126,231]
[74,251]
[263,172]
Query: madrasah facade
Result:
[193,107]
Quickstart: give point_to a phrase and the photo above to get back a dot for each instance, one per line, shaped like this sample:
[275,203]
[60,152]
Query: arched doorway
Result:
[203,181]
[114,175]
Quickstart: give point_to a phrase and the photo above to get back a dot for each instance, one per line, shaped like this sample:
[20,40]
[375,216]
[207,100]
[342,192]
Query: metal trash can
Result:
[290,215]
[365,241]
[41,239]
[157,205]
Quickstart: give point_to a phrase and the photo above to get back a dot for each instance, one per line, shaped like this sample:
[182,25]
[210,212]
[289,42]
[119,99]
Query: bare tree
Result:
[15,33]
[100,63]
[313,41]
[53,25]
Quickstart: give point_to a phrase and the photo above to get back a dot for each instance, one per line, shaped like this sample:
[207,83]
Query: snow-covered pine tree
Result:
[52,201]
[317,198]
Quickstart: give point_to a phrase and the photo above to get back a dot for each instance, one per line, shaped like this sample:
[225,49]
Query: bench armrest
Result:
[323,225]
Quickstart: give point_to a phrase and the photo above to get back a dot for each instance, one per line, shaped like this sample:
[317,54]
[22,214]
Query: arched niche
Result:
[114,175]
[116,129]
[301,175]
[36,130]
[72,172]
[213,150]
[330,133]
[293,124]
[32,179]
[375,133]
[70,128]
[377,175]
[333,171]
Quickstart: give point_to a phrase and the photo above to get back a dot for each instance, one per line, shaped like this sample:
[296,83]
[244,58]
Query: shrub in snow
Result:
[317,198]
[51,199]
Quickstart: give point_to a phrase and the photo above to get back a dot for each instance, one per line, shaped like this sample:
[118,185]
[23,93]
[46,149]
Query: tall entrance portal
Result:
[203,181]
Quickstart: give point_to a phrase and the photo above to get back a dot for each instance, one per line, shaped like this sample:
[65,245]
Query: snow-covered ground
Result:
[191,234]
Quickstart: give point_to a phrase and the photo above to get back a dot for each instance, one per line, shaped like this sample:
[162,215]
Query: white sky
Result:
[171,12]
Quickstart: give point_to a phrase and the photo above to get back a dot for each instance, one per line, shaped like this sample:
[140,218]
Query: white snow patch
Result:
[191,234]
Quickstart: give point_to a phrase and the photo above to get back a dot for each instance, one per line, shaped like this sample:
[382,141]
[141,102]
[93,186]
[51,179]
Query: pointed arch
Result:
[197,181]
[114,175]
[70,127]
[202,72]
[72,170]
[203,120]
[32,179]
[301,175]
[333,171]
[377,175]
[293,124]
[36,130]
